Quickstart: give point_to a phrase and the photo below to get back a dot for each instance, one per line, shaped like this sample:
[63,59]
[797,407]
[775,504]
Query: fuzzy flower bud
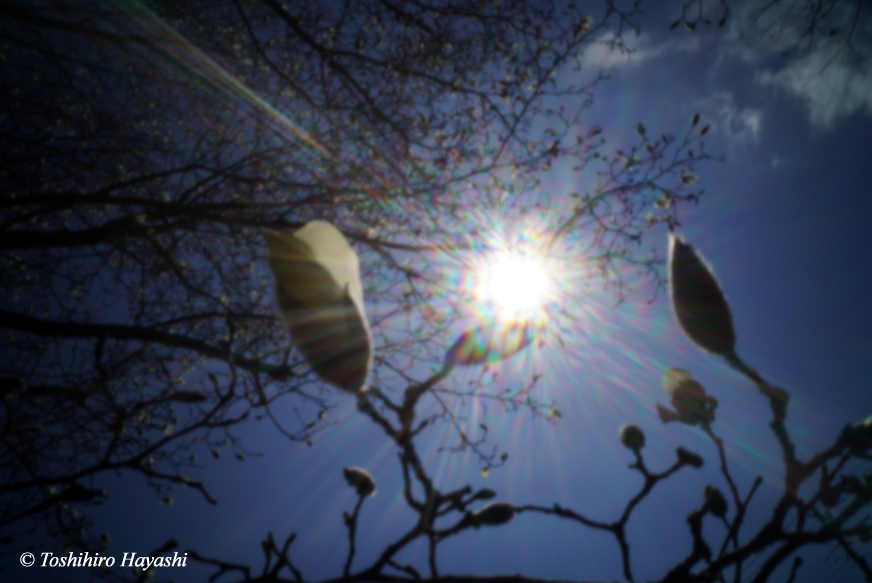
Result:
[632,436]
[320,294]
[484,494]
[689,400]
[858,436]
[361,480]
[494,514]
[688,458]
[699,304]
[715,501]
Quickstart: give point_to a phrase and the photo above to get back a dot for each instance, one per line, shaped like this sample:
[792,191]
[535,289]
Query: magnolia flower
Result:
[494,514]
[632,436]
[691,405]
[489,343]
[361,480]
[699,304]
[319,292]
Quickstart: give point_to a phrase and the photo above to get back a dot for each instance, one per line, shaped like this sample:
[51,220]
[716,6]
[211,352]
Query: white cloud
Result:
[749,121]
[832,81]
[755,38]
[763,29]
[830,91]
[601,54]
[739,126]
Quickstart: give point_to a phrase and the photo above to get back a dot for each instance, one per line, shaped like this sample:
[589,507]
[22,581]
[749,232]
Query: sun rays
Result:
[517,283]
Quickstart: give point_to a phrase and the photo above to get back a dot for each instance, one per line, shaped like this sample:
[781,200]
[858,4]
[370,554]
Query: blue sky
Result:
[784,223]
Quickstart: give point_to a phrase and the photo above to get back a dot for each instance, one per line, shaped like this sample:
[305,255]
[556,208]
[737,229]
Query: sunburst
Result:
[516,283]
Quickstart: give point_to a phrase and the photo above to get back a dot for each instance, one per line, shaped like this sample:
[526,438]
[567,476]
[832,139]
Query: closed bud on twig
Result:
[688,458]
[689,400]
[857,437]
[494,514]
[360,479]
[715,501]
[698,302]
[583,26]
[484,494]
[632,436]
[320,294]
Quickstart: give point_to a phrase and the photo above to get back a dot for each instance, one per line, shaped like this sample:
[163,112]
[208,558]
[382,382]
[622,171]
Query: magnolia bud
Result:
[715,501]
[688,397]
[858,436]
[360,479]
[688,458]
[319,292]
[494,514]
[632,436]
[699,304]
[484,494]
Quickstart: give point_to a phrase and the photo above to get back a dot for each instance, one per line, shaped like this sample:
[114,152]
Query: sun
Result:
[517,284]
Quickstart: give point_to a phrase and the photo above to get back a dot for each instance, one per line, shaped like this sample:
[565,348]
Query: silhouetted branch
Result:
[351,523]
[55,329]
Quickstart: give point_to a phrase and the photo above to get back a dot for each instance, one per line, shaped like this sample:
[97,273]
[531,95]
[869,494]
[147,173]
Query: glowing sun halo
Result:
[516,284]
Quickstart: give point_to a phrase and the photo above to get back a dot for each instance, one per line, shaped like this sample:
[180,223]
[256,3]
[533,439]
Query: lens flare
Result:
[517,283]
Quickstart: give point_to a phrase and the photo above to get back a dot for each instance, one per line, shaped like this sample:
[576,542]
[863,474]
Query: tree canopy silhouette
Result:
[157,155]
